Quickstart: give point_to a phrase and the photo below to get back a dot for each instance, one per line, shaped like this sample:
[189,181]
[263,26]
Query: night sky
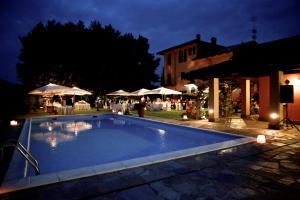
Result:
[165,23]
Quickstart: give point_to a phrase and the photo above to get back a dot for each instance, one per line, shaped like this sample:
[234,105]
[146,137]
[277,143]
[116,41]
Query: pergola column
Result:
[213,104]
[245,87]
[276,109]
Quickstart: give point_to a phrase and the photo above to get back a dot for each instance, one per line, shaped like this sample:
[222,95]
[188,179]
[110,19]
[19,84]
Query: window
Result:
[190,51]
[169,59]
[180,56]
[184,55]
[169,79]
[194,50]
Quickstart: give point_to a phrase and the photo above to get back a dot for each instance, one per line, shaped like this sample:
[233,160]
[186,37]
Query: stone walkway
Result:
[250,171]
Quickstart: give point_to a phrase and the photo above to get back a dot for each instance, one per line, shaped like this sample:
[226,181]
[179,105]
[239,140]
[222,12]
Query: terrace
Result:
[256,171]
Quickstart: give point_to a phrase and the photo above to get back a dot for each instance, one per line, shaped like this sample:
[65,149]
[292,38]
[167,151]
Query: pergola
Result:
[251,61]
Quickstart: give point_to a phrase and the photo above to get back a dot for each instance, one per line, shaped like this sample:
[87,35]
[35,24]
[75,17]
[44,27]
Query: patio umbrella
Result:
[162,91]
[140,92]
[119,93]
[50,89]
[76,91]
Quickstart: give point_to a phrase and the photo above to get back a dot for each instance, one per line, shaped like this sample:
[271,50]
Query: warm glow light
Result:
[211,111]
[53,143]
[224,151]
[274,116]
[120,113]
[161,132]
[13,123]
[113,111]
[184,117]
[50,128]
[261,139]
[298,82]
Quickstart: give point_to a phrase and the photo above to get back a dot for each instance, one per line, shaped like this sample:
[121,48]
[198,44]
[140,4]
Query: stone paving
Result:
[250,171]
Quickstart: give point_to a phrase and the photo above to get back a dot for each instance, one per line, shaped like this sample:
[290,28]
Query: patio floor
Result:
[250,171]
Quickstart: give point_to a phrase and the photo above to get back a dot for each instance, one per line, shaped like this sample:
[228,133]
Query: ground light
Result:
[274,116]
[185,117]
[261,139]
[13,123]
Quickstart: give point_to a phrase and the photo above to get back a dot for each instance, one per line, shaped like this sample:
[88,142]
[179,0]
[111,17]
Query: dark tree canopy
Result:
[95,57]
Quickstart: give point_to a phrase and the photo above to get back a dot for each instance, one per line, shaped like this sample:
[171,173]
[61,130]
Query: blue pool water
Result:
[75,142]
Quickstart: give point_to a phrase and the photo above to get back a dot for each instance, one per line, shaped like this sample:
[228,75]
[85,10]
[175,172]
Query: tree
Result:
[95,57]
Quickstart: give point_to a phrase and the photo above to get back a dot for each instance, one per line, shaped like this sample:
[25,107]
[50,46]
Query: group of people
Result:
[126,105]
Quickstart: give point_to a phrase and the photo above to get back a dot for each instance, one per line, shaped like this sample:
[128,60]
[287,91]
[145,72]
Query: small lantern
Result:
[120,113]
[274,116]
[13,123]
[185,117]
[261,139]
[211,111]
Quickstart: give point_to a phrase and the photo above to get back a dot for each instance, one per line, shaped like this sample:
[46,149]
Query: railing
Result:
[31,160]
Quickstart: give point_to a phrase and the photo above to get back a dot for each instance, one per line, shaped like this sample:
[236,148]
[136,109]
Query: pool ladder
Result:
[31,160]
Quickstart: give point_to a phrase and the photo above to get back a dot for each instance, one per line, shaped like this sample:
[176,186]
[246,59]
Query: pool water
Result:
[66,143]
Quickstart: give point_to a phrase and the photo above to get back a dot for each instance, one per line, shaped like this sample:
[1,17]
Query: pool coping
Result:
[67,175]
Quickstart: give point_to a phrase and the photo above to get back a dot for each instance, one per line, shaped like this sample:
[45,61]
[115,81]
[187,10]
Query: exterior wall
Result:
[176,68]
[264,96]
[209,61]
[294,108]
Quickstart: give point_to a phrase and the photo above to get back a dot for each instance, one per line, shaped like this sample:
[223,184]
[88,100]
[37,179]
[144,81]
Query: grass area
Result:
[173,114]
[41,113]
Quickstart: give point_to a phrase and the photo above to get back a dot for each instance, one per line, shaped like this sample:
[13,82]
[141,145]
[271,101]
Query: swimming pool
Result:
[79,146]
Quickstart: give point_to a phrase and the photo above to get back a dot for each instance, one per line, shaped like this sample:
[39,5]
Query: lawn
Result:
[173,114]
[41,113]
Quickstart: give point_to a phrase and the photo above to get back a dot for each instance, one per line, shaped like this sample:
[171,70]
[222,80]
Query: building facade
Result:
[268,64]
[186,57]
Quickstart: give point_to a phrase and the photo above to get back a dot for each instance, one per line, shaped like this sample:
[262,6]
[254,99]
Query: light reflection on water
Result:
[54,133]
[57,132]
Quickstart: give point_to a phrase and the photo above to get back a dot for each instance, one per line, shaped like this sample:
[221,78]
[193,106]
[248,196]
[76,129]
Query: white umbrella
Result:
[140,92]
[77,91]
[119,93]
[50,89]
[162,91]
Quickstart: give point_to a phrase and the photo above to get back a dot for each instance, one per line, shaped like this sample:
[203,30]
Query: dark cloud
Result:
[165,22]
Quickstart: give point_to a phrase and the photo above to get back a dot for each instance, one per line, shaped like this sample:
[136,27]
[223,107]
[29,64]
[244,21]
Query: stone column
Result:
[213,104]
[245,86]
[276,109]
